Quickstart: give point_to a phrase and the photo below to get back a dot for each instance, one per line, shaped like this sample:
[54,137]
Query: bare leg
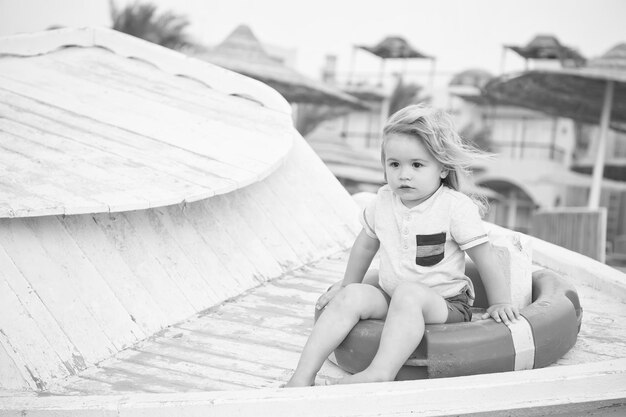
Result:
[412,305]
[353,303]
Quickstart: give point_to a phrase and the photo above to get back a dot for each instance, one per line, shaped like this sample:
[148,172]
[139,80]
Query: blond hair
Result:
[437,132]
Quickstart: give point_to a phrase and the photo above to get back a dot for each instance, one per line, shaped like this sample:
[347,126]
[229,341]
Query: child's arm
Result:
[500,307]
[361,255]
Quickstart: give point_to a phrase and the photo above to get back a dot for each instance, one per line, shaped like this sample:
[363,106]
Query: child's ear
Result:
[444,173]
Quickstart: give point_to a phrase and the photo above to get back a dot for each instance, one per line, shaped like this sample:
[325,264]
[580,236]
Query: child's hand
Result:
[502,312]
[328,295]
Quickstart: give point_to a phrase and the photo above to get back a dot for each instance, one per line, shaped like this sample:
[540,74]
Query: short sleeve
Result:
[466,226]
[367,218]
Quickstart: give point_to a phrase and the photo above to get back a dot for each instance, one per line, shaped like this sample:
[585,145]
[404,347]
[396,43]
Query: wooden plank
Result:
[240,140]
[250,245]
[25,194]
[573,391]
[196,376]
[105,257]
[290,195]
[95,293]
[238,370]
[227,82]
[147,83]
[51,284]
[116,109]
[181,378]
[117,142]
[261,354]
[145,266]
[266,319]
[210,224]
[269,202]
[199,252]
[159,244]
[330,212]
[247,206]
[32,356]
[89,180]
[222,327]
[334,195]
[10,376]
[129,377]
[61,350]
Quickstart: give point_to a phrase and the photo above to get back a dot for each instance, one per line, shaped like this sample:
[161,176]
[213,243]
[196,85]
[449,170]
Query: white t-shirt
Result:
[425,243]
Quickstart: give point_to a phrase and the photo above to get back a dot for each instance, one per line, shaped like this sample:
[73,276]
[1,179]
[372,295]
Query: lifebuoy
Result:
[548,329]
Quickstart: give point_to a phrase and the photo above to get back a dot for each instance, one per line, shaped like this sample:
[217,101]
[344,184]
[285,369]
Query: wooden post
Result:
[598,167]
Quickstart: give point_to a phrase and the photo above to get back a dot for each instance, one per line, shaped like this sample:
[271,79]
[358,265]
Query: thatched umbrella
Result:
[242,52]
[394,47]
[548,47]
[593,94]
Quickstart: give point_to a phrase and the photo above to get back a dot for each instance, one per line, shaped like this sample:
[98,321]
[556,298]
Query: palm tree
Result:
[142,20]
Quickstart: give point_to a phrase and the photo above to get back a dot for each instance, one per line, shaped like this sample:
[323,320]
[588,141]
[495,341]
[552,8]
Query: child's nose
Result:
[406,173]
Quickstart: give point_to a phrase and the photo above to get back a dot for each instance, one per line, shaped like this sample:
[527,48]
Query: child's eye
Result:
[394,164]
[416,165]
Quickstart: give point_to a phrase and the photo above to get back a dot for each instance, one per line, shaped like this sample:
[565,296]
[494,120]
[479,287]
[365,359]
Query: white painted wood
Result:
[145,267]
[248,243]
[159,266]
[268,229]
[199,252]
[157,242]
[216,234]
[514,255]
[576,390]
[174,63]
[251,335]
[312,226]
[581,270]
[56,119]
[10,376]
[62,351]
[115,143]
[81,276]
[50,282]
[106,258]
[269,202]
[36,362]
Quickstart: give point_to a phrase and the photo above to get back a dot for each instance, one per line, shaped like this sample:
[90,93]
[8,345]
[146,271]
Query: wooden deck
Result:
[251,341]
[254,341]
[104,122]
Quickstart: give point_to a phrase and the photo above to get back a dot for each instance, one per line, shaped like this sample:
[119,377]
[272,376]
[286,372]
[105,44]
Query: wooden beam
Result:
[598,388]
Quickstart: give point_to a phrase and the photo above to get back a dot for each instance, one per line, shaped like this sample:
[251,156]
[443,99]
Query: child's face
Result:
[412,172]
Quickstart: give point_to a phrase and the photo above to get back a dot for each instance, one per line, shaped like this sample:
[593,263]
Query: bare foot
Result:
[298,382]
[358,378]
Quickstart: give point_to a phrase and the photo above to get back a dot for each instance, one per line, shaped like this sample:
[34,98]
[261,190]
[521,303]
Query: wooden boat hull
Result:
[66,267]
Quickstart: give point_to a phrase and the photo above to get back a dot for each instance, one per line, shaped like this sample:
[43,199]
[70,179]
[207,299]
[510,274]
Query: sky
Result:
[461,34]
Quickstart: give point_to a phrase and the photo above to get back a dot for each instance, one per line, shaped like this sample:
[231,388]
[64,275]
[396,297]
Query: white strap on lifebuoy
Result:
[524,344]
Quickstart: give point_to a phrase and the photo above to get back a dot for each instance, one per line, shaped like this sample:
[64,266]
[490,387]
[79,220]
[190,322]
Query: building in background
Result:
[542,161]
